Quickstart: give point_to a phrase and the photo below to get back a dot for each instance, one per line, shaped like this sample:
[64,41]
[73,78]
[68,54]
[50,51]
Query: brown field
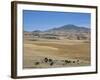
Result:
[45,53]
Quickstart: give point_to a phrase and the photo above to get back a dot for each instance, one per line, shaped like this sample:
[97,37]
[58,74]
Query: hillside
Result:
[64,32]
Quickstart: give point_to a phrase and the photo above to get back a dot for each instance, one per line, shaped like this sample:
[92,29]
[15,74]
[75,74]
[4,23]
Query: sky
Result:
[44,20]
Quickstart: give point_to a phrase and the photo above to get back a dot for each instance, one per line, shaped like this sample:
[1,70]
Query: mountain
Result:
[70,27]
[37,31]
[69,31]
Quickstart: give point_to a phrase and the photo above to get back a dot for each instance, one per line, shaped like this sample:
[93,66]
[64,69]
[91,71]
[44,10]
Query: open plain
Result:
[47,53]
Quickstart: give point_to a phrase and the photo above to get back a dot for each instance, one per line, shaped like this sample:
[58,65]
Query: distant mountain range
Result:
[69,31]
[70,27]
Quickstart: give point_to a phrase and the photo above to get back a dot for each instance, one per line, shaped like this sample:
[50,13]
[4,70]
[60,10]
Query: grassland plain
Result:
[46,53]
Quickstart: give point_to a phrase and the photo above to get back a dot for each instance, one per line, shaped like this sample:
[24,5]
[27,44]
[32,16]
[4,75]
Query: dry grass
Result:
[75,51]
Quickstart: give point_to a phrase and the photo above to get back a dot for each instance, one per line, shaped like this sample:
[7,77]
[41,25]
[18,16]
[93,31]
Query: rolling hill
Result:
[69,31]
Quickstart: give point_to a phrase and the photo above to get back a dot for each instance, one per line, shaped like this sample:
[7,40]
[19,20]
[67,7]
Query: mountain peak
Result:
[69,26]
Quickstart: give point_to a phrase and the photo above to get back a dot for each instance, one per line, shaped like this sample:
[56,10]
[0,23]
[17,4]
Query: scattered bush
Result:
[51,63]
[67,61]
[46,59]
[50,60]
[37,63]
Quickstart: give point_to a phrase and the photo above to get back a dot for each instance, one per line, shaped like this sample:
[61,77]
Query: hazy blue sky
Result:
[43,20]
